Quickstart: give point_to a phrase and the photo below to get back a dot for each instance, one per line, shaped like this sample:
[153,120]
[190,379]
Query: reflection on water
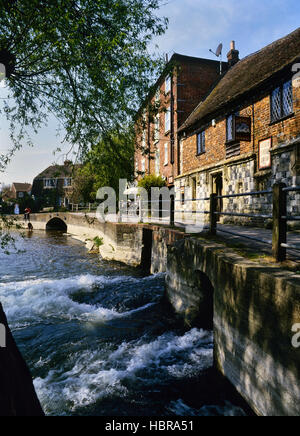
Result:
[98,338]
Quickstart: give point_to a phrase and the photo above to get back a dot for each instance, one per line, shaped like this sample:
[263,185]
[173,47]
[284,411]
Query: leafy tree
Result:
[85,61]
[101,169]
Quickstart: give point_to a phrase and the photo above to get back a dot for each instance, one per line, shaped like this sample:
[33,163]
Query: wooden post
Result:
[279,223]
[212,215]
[172,210]
[141,209]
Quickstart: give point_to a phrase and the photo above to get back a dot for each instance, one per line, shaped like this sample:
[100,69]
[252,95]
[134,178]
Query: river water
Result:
[99,339]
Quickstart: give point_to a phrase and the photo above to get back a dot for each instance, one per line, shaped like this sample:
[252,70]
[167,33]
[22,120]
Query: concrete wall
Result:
[121,242]
[255,307]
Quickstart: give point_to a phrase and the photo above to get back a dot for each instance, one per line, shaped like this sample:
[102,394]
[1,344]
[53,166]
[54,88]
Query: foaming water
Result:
[98,338]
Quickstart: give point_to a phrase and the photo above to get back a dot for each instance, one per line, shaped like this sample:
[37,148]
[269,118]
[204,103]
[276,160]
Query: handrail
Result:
[246,194]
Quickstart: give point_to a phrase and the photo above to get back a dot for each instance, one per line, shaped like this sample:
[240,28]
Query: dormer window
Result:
[282,102]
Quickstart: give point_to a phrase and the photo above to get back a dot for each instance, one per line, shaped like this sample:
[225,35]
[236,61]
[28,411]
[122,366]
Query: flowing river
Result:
[99,339]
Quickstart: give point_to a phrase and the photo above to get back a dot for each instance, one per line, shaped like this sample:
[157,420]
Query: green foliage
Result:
[98,241]
[85,61]
[151,181]
[7,241]
[102,169]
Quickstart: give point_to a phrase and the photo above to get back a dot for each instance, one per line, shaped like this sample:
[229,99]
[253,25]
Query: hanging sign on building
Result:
[264,154]
[242,128]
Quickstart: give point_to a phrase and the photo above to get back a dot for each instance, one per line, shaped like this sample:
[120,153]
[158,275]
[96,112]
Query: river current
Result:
[99,339]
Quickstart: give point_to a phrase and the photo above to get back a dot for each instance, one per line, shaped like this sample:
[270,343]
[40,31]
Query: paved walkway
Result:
[263,242]
[241,235]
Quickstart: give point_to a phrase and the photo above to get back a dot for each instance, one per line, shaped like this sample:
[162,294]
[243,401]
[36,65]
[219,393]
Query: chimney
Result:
[233,55]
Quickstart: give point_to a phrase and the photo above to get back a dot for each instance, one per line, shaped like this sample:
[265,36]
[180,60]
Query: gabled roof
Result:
[247,75]
[22,187]
[56,172]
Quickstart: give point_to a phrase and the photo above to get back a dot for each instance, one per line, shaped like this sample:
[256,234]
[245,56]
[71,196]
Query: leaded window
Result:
[230,128]
[282,101]
[201,142]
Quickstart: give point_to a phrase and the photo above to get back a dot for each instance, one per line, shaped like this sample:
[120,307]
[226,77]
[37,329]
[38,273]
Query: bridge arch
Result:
[56,223]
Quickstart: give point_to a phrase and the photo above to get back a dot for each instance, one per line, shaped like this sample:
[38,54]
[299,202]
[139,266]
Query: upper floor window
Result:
[230,128]
[156,128]
[168,120]
[282,101]
[68,182]
[168,85]
[50,183]
[166,154]
[144,139]
[157,96]
[201,142]
[143,165]
[157,162]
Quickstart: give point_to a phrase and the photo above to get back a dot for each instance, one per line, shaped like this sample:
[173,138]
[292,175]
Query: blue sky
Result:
[195,27]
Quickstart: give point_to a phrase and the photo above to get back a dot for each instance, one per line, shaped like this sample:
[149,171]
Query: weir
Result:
[251,306]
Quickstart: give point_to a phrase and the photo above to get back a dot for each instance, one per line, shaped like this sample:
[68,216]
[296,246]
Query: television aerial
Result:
[218,54]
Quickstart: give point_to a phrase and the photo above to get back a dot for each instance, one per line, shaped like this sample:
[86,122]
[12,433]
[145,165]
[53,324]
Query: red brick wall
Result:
[192,80]
[281,132]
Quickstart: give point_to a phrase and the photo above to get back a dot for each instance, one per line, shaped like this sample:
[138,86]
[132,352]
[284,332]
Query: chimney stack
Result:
[233,55]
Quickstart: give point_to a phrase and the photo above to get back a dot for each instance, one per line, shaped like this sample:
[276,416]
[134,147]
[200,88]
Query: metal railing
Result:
[90,207]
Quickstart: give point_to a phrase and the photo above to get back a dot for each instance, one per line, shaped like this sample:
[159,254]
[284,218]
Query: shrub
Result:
[152,181]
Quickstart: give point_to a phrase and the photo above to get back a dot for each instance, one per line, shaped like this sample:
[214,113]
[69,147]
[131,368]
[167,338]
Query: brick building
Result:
[245,135]
[54,185]
[184,82]
[17,191]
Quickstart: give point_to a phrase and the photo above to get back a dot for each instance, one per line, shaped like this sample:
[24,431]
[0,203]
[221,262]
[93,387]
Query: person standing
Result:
[27,213]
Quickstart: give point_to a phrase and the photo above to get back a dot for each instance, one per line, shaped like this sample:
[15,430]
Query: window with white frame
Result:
[157,96]
[144,139]
[50,183]
[143,165]
[67,182]
[157,128]
[168,120]
[166,154]
[157,162]
[168,84]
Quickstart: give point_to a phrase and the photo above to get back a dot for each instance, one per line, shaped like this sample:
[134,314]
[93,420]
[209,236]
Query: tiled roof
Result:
[247,75]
